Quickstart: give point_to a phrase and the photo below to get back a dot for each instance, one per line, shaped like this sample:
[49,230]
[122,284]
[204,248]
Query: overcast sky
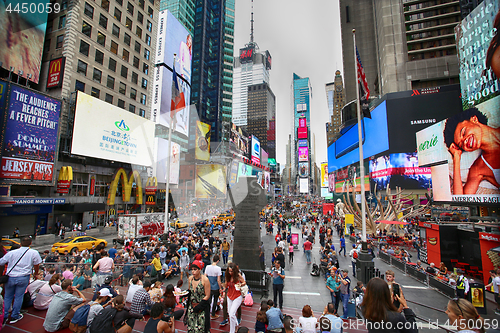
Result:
[303,37]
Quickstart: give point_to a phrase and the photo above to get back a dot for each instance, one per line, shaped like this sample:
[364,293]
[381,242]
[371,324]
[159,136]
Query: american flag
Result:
[178,101]
[364,92]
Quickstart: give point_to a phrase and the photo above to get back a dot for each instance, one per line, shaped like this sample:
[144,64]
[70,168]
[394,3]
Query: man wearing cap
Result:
[141,303]
[431,269]
[107,285]
[462,284]
[345,285]
[60,310]
[354,255]
[100,303]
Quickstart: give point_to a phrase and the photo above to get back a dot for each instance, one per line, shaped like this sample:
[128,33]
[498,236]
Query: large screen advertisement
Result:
[119,135]
[376,140]
[304,185]
[210,181]
[238,140]
[469,174]
[173,38]
[30,137]
[325,193]
[406,114]
[304,169]
[348,179]
[302,132]
[399,170]
[303,154]
[22,35]
[331,182]
[302,143]
[163,158]
[233,173]
[244,170]
[202,145]
[255,149]
[324,174]
[477,38]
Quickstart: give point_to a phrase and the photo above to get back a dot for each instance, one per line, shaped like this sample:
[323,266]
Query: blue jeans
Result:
[342,248]
[345,300]
[225,256]
[308,256]
[14,290]
[333,294]
[353,268]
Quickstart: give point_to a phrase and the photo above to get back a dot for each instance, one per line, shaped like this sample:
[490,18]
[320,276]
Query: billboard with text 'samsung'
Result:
[30,138]
[118,135]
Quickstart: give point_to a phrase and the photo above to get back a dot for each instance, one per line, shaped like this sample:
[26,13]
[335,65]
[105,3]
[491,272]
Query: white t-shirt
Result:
[308,325]
[496,283]
[132,289]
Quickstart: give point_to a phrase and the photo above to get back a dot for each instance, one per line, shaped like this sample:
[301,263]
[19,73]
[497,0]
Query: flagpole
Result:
[169,154]
[361,160]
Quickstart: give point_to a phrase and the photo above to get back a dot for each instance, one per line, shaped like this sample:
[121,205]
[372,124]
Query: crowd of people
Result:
[187,275]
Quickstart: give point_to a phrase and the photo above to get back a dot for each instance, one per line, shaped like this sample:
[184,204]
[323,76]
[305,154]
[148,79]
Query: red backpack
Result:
[355,255]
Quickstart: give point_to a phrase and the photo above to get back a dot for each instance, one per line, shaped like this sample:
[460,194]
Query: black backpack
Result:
[104,321]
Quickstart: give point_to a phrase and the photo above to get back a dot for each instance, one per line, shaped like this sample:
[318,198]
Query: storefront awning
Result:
[393,222]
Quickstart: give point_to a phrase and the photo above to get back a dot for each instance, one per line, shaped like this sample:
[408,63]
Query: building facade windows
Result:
[84,48]
[115,31]
[108,98]
[82,67]
[118,14]
[89,10]
[87,29]
[121,103]
[124,71]
[112,64]
[94,92]
[101,38]
[59,41]
[103,21]
[122,88]
[99,57]
[114,48]
[80,86]
[110,83]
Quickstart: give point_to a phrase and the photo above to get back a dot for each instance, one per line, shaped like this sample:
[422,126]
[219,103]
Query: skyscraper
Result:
[252,67]
[227,72]
[183,10]
[402,44]
[335,96]
[261,116]
[300,159]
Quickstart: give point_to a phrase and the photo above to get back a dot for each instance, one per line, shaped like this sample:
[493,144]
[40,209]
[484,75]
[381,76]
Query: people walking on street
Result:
[214,273]
[333,285]
[354,256]
[233,284]
[224,249]
[308,250]
[345,288]
[342,245]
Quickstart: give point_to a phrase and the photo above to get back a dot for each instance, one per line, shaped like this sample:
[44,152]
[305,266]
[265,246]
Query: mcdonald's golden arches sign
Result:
[64,179]
[127,183]
[56,70]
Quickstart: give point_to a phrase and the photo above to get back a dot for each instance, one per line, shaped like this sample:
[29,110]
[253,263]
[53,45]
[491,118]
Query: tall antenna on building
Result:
[251,26]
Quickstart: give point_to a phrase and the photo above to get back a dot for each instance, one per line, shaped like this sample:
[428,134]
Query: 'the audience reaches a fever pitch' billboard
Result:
[30,137]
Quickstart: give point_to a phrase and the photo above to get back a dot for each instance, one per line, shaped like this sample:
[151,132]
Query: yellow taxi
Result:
[178,224]
[225,216]
[8,243]
[77,243]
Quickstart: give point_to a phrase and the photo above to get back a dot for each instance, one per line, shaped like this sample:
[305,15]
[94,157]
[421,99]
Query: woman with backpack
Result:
[47,292]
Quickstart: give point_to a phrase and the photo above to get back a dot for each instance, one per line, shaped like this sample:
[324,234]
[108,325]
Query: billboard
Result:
[210,181]
[331,182]
[324,174]
[173,38]
[303,154]
[399,170]
[119,135]
[23,34]
[264,158]
[469,173]
[30,137]
[302,132]
[304,169]
[325,193]
[233,173]
[238,140]
[348,179]
[202,145]
[56,71]
[244,170]
[255,149]
[302,122]
[304,185]
[267,181]
[302,143]
[477,40]
[163,158]
[376,140]
[246,54]
[269,60]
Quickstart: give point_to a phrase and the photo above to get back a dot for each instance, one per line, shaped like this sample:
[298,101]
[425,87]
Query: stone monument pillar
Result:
[248,198]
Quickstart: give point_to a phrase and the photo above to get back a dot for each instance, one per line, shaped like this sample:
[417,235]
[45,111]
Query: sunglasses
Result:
[458,304]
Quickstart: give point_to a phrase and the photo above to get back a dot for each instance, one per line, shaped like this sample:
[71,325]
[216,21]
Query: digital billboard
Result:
[303,154]
[348,179]
[469,174]
[56,72]
[324,174]
[163,158]
[477,42]
[376,140]
[233,173]
[255,149]
[210,181]
[269,60]
[30,136]
[238,140]
[302,122]
[331,182]
[202,145]
[304,185]
[325,193]
[302,132]
[244,170]
[172,39]
[246,54]
[399,170]
[119,135]
[304,169]
[267,180]
[23,34]
[302,143]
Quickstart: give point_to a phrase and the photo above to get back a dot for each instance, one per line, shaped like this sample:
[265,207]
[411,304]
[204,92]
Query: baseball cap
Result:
[108,279]
[104,292]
